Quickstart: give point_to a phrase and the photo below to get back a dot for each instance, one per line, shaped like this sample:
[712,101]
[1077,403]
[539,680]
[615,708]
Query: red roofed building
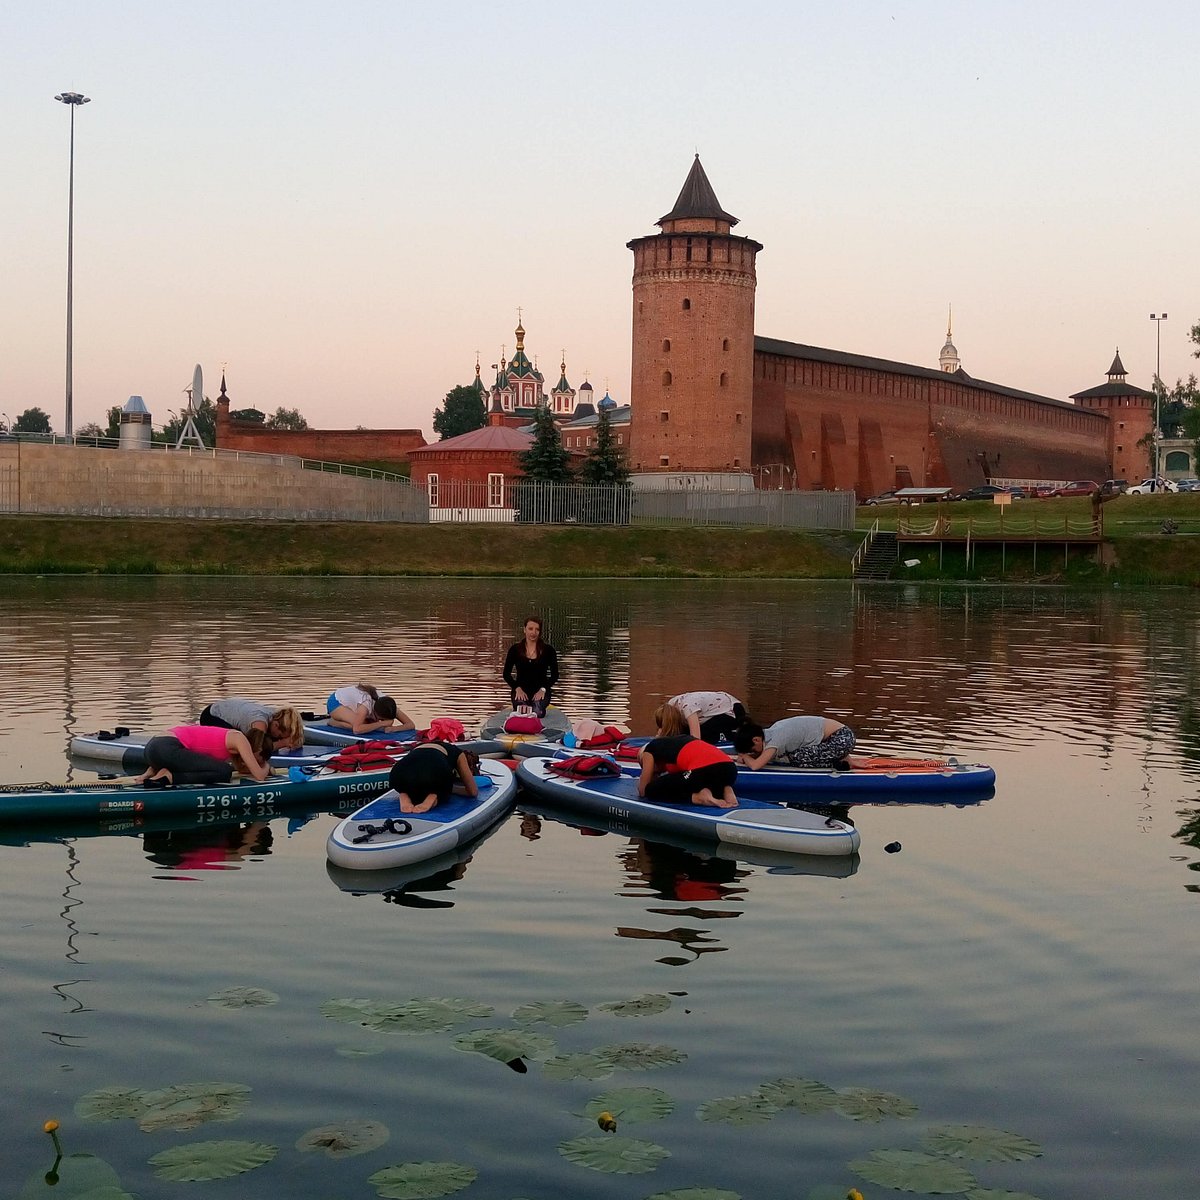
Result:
[474,470]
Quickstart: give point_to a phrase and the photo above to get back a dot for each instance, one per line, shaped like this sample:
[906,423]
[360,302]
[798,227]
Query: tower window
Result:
[724,378]
[737,418]
[689,250]
[686,304]
[725,345]
[664,461]
[666,345]
[666,377]
[664,415]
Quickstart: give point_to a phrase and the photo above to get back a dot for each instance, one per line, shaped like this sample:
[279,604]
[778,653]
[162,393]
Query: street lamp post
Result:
[1158,319]
[72,100]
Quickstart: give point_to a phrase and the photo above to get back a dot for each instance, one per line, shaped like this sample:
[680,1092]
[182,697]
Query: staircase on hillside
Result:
[880,559]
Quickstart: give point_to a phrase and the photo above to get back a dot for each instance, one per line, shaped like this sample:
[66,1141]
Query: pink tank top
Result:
[204,739]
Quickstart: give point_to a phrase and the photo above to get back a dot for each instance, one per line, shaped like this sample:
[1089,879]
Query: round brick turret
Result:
[693,338]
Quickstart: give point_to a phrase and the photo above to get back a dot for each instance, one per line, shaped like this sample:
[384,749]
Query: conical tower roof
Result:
[697,200]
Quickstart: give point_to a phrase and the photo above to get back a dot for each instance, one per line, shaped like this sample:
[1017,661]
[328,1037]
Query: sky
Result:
[340,204]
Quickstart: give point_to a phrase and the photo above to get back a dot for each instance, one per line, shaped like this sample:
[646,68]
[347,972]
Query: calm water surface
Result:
[1026,964]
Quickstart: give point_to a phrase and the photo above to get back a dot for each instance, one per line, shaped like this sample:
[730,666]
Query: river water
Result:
[1026,964]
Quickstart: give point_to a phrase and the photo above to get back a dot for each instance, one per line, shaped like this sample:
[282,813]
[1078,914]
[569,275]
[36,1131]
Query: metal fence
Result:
[526,501]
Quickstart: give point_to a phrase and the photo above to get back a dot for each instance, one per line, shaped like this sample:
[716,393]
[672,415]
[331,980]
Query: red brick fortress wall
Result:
[848,422]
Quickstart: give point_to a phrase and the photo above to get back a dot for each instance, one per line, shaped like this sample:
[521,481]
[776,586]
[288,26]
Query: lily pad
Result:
[631,1104]
[640,1006]
[422,1180]
[111,1104]
[506,1044]
[639,1056]
[344,1139]
[577,1066]
[865,1104]
[617,1155]
[211,1160]
[353,1012]
[738,1110]
[980,1143]
[697,1193]
[80,1177]
[912,1171]
[187,1105]
[805,1095]
[558,1013]
[243,997]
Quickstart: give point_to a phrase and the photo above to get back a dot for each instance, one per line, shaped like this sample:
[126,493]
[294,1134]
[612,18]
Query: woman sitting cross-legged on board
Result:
[429,772]
[201,754]
[797,742]
[360,708]
[677,767]
[531,668]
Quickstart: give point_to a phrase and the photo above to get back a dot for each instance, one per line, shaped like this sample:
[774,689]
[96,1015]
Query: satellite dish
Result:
[189,435]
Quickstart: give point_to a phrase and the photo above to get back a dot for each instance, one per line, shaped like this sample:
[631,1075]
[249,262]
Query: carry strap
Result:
[393,825]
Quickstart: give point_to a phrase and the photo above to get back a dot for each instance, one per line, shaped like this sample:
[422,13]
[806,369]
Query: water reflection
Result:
[222,848]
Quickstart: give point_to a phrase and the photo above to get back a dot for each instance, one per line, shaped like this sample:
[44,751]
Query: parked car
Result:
[1151,487]
[1188,485]
[1081,487]
[984,491]
[1114,485]
[882,498]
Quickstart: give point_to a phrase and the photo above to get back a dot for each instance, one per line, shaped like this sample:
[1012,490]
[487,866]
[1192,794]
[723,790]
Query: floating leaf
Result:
[998,1194]
[616,1154]
[639,1006]
[80,1177]
[243,997]
[187,1105]
[422,1180]
[112,1104]
[639,1056]
[344,1139]
[864,1104]
[911,1171]
[577,1066]
[738,1110]
[698,1193]
[631,1104]
[805,1095]
[506,1044]
[553,1012]
[352,1012]
[980,1143]
[211,1160]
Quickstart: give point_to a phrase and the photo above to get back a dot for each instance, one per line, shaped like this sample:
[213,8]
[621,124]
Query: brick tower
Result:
[693,338]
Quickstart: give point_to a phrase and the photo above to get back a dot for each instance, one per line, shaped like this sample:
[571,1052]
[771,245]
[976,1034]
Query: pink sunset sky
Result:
[344,203]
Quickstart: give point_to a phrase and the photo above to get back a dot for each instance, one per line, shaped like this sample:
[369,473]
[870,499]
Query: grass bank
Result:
[70,545]
[1136,553]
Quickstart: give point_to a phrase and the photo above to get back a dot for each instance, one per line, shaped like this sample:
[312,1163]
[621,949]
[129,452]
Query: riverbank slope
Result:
[38,545]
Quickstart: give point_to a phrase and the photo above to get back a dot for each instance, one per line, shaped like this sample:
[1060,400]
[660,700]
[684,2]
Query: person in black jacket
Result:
[531,668]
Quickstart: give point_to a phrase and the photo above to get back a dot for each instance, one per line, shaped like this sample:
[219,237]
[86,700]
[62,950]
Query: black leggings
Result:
[186,766]
[424,771]
[678,787]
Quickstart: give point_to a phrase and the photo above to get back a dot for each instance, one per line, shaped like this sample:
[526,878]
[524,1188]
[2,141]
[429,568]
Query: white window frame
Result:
[431,483]
[495,483]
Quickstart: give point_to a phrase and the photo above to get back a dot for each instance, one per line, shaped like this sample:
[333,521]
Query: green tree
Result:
[547,460]
[32,420]
[605,463]
[287,418]
[252,416]
[461,411]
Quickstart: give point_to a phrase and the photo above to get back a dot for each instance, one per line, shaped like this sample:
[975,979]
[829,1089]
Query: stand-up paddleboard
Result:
[321,733]
[554,726]
[753,822]
[380,836]
[898,778]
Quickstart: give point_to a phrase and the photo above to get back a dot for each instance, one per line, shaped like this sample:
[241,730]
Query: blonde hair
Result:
[291,727]
[670,721]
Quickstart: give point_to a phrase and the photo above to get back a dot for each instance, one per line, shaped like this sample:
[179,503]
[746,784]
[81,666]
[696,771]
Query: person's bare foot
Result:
[706,799]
